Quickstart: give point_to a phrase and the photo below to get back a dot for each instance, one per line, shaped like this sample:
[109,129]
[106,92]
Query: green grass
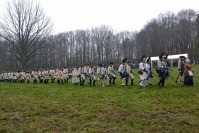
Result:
[71,108]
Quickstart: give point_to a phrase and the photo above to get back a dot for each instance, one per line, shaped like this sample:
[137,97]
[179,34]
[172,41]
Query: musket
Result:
[172,77]
[155,75]
[177,79]
[135,74]
[172,70]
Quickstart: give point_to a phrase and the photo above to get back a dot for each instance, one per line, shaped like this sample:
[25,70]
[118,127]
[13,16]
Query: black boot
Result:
[126,82]
[163,82]
[113,81]
[28,81]
[58,81]
[64,80]
[110,82]
[93,82]
[82,82]
[52,80]
[132,82]
[160,82]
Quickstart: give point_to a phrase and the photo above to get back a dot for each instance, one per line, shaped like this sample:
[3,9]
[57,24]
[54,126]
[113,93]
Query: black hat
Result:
[143,58]
[182,57]
[148,59]
[160,57]
[111,63]
[124,60]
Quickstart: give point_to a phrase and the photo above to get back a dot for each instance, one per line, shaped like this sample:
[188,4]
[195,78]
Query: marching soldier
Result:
[22,76]
[28,76]
[167,65]
[111,74]
[41,76]
[75,79]
[35,76]
[149,73]
[129,73]
[98,70]
[59,76]
[188,73]
[181,65]
[92,78]
[81,75]
[122,71]
[161,71]
[66,77]
[52,75]
[14,77]
[142,72]
[106,74]
[86,72]
[102,74]
[46,76]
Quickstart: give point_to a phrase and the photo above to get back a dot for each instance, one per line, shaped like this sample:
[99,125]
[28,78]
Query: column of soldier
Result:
[106,75]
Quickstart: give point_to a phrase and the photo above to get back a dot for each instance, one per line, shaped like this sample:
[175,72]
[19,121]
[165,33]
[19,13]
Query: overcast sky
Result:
[121,15]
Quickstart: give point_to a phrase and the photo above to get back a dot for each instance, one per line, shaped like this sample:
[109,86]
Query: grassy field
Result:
[71,108]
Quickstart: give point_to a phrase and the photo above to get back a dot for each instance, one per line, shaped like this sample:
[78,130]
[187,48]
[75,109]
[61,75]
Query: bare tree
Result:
[24,27]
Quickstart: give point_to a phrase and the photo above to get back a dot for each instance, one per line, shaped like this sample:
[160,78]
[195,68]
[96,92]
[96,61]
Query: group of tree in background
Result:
[26,42]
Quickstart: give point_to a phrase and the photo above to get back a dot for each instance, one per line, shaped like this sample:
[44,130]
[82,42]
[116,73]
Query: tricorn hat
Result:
[124,60]
[182,57]
[143,58]
[148,59]
[160,57]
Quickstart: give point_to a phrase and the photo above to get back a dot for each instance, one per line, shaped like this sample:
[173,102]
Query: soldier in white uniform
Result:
[52,75]
[66,77]
[46,74]
[92,77]
[41,76]
[60,76]
[28,76]
[35,75]
[149,74]
[14,77]
[122,71]
[22,77]
[111,74]
[142,72]
[75,79]
[129,73]
[81,75]
[98,71]
[102,74]
[106,75]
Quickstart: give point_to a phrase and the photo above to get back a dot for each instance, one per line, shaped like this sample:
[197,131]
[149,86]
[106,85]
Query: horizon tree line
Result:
[26,41]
